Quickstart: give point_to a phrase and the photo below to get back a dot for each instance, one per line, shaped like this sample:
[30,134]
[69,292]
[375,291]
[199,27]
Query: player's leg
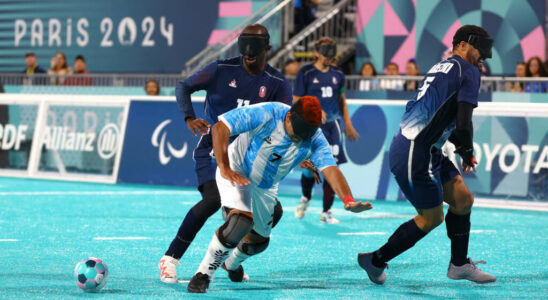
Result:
[333,134]
[238,224]
[307,183]
[252,244]
[197,215]
[457,222]
[411,167]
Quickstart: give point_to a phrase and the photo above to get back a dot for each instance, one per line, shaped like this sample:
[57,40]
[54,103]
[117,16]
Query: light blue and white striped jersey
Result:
[263,151]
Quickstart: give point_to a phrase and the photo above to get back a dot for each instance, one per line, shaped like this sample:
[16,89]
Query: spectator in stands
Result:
[33,68]
[392,69]
[517,86]
[369,84]
[535,68]
[59,67]
[291,67]
[411,69]
[152,87]
[32,65]
[79,69]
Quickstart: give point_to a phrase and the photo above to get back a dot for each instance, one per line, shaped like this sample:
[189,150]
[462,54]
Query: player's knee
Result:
[238,225]
[468,201]
[432,221]
[464,204]
[211,200]
[278,213]
[253,244]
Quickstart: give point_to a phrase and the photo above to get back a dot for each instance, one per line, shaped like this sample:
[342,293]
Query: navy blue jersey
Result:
[229,85]
[327,87]
[429,117]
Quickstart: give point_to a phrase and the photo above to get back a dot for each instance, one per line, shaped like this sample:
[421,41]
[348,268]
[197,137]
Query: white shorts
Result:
[250,198]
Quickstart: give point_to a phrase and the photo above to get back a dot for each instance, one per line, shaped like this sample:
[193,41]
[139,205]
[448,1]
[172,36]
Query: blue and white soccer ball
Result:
[91,274]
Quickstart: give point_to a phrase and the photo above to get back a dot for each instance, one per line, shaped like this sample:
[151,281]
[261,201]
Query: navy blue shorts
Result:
[333,135]
[420,171]
[205,165]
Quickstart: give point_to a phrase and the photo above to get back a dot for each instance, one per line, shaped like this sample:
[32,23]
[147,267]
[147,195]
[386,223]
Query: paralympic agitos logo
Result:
[161,144]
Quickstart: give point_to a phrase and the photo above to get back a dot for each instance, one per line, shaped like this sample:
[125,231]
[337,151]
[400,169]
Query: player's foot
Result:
[301,208]
[469,271]
[237,275]
[199,283]
[375,274]
[327,217]
[168,267]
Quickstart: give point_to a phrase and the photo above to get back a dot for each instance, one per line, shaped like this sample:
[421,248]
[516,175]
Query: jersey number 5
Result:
[425,86]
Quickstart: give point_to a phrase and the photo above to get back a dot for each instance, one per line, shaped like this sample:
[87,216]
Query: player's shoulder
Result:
[306,69]
[274,74]
[465,68]
[336,70]
[229,62]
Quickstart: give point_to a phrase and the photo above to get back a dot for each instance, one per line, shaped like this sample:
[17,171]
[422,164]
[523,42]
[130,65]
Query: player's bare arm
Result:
[349,130]
[307,164]
[221,134]
[336,179]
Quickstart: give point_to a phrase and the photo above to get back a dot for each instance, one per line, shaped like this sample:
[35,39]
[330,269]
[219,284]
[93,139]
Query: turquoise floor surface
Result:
[46,227]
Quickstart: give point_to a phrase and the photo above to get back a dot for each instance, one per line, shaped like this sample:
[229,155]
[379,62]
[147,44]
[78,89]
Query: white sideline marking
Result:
[482,231]
[97,193]
[9,240]
[362,233]
[121,238]
[511,204]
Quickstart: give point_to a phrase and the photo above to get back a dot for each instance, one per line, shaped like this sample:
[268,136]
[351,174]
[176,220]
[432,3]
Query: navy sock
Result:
[307,183]
[402,239]
[186,234]
[328,196]
[195,219]
[458,230]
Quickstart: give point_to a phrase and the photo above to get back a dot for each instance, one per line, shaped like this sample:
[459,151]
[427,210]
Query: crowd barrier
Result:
[145,140]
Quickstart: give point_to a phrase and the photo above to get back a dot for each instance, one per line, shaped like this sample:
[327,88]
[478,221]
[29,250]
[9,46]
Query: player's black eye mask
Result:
[483,44]
[252,44]
[302,129]
[328,51]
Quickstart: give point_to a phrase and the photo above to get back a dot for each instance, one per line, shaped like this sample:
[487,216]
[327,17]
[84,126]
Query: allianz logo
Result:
[161,144]
[63,138]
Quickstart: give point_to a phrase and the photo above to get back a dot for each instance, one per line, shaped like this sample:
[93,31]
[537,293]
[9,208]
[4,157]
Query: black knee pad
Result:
[278,213]
[252,249]
[234,229]
[211,200]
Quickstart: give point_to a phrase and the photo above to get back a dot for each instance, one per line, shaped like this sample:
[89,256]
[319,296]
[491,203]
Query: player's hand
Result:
[324,117]
[467,167]
[200,125]
[307,164]
[469,161]
[233,177]
[357,206]
[351,133]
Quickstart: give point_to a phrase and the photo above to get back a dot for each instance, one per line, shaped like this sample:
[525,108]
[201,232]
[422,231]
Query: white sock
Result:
[215,256]
[235,259]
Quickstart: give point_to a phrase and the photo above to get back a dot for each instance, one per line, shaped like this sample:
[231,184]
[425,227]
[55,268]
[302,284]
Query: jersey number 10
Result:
[327,92]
